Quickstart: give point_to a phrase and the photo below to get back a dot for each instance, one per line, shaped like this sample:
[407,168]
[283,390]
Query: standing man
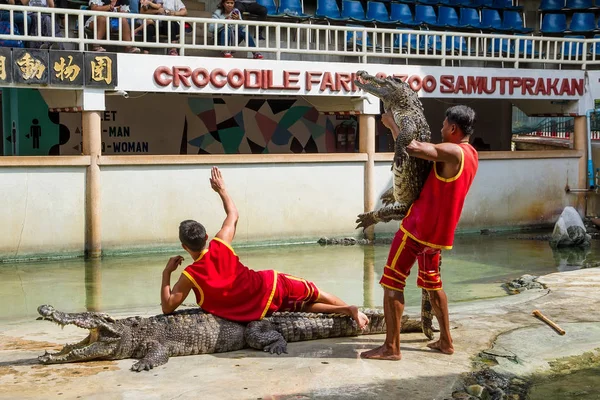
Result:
[428,227]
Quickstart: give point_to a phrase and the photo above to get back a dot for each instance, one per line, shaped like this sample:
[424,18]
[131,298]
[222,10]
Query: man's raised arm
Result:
[227,231]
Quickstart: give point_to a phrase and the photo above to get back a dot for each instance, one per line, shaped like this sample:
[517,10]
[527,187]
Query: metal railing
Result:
[312,37]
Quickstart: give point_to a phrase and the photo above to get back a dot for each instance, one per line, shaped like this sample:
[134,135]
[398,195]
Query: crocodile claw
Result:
[277,347]
[365,220]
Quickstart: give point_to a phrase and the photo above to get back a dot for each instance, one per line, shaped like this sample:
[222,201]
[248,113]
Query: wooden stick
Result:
[541,316]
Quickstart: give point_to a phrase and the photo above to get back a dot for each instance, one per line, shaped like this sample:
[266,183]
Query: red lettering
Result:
[200,72]
[540,87]
[513,84]
[215,74]
[460,86]
[343,80]
[566,88]
[446,84]
[578,86]
[354,87]
[161,74]
[181,75]
[526,85]
[429,84]
[415,83]
[311,77]
[248,73]
[290,78]
[235,77]
[265,79]
[473,84]
[551,87]
[327,83]
[381,75]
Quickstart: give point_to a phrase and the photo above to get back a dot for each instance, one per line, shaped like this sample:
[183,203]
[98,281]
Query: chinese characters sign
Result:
[58,68]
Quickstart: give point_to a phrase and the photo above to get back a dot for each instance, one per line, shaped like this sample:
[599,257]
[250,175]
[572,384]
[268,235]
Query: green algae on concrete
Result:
[574,377]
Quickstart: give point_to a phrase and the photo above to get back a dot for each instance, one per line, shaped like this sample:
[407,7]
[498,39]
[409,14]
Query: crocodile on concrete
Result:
[192,331]
[409,173]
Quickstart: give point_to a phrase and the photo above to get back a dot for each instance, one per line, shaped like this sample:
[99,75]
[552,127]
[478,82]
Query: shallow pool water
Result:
[474,269]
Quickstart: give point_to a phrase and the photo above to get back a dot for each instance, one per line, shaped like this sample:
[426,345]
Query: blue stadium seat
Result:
[469,18]
[554,23]
[329,11]
[582,23]
[270,6]
[425,15]
[377,12]
[447,17]
[527,47]
[595,48]
[404,41]
[292,9]
[505,5]
[572,49]
[461,3]
[490,20]
[483,3]
[513,21]
[501,46]
[351,36]
[402,14]
[454,44]
[354,11]
[552,5]
[427,2]
[580,4]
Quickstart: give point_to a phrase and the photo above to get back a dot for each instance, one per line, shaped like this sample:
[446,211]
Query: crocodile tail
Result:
[426,314]
[299,326]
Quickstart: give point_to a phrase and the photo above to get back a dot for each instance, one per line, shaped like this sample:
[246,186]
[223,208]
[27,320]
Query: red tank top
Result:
[227,288]
[432,218]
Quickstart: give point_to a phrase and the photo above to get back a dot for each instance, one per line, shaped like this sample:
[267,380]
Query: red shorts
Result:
[292,293]
[403,253]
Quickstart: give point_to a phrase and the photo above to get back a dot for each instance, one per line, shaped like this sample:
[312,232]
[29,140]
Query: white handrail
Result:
[367,44]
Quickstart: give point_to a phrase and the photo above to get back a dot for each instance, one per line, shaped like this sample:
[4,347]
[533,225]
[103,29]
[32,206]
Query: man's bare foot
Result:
[382,353]
[361,319]
[443,347]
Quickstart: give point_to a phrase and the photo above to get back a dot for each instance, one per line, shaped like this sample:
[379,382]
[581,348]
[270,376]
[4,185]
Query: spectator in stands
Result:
[226,10]
[113,6]
[253,8]
[164,7]
[45,24]
[19,18]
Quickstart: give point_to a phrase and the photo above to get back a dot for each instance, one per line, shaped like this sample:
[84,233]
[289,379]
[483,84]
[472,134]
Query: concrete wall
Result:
[42,211]
[142,205]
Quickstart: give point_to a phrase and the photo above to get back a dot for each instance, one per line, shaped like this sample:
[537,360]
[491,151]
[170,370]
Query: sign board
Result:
[251,77]
[73,69]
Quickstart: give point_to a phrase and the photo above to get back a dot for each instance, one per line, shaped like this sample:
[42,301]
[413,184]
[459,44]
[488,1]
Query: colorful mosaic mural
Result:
[260,126]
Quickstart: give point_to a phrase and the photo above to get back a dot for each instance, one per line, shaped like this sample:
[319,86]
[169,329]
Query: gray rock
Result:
[475,390]
[569,230]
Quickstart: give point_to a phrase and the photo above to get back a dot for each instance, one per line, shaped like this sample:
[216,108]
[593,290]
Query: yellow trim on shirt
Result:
[201,255]
[197,286]
[460,170]
[271,296]
[433,246]
[226,244]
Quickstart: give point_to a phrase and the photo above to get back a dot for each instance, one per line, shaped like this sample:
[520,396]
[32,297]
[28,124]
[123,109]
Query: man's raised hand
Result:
[216,180]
